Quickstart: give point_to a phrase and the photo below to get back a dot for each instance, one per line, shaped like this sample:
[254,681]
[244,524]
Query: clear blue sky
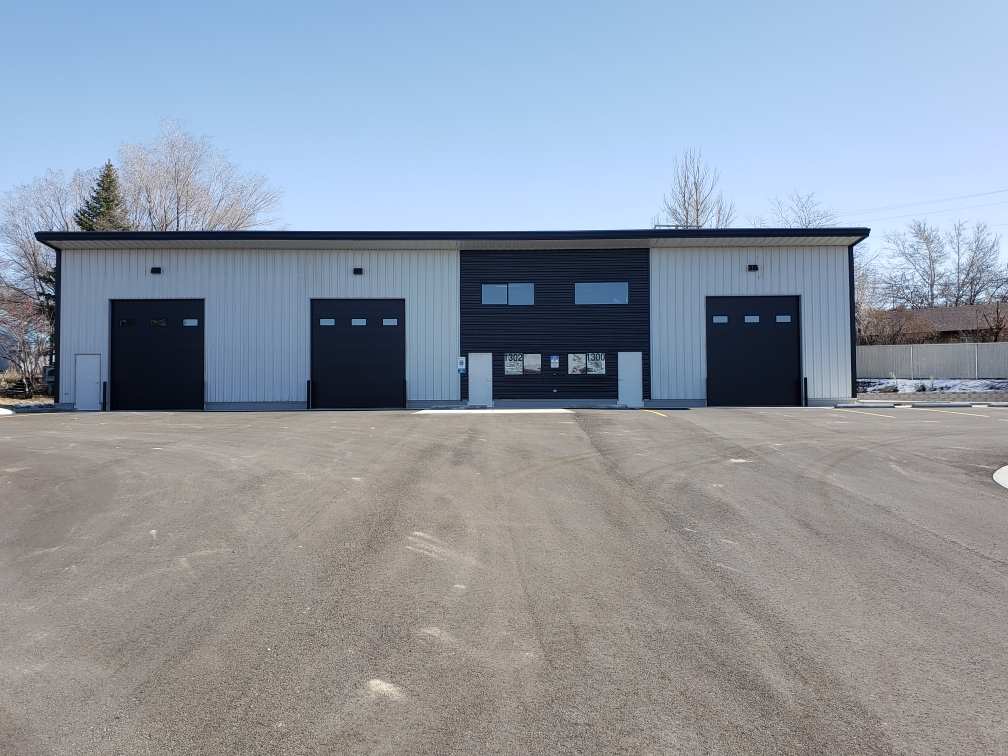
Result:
[528,115]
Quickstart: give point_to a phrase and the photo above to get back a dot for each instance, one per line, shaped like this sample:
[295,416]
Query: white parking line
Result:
[862,412]
[948,412]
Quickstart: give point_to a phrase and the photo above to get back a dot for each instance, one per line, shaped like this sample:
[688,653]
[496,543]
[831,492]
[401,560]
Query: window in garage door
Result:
[358,353]
[157,354]
[753,351]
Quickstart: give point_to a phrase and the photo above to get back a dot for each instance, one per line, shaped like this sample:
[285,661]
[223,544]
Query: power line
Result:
[916,204]
[932,212]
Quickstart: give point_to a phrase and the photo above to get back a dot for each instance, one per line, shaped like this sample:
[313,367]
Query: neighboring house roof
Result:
[962,318]
[627,238]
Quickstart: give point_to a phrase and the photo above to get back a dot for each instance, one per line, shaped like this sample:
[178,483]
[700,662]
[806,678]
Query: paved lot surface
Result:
[707,581]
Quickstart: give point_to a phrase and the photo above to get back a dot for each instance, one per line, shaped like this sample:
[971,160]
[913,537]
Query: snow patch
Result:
[380,689]
[1001,476]
[922,385]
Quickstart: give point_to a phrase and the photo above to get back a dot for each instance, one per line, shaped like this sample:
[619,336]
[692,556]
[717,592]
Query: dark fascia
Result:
[54,238]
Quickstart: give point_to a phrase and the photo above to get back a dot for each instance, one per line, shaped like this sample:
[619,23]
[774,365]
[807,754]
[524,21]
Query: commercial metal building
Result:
[289,320]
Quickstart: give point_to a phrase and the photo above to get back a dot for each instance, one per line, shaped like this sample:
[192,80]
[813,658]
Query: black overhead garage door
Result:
[753,351]
[157,354]
[358,353]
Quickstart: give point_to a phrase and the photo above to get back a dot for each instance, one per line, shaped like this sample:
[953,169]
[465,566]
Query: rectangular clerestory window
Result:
[607,293]
[509,294]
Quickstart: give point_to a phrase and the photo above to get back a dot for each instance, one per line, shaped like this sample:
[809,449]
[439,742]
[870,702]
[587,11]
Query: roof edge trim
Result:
[54,239]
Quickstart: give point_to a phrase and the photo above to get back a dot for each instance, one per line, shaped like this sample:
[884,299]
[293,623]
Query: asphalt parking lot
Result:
[702,581]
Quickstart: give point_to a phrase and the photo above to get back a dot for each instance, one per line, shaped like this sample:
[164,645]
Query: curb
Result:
[919,405]
[44,410]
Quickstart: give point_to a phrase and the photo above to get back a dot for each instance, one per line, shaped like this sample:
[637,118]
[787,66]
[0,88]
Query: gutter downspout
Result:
[57,396]
[853,324]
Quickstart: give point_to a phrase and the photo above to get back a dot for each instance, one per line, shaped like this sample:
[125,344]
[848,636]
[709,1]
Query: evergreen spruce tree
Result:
[105,210]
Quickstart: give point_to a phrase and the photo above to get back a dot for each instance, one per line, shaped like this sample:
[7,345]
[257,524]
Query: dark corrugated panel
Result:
[555,325]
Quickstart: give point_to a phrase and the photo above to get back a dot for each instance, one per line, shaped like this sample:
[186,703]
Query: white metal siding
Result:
[258,308]
[681,279]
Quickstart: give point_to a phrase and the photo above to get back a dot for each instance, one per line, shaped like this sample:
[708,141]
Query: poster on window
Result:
[513,364]
[596,363]
[533,364]
[575,364]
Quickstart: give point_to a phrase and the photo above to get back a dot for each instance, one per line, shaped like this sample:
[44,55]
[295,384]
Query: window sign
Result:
[554,361]
[521,294]
[576,364]
[495,294]
[513,364]
[596,363]
[533,364]
[612,293]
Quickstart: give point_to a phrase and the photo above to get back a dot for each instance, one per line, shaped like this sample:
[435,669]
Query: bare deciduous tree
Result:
[869,288]
[694,200]
[45,204]
[992,324]
[919,255]
[974,273]
[801,211]
[796,210]
[178,182]
[957,241]
[896,326]
[175,182]
[25,330]
[874,322]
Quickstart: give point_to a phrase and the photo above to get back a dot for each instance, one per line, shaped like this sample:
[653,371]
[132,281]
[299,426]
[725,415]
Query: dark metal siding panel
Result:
[554,325]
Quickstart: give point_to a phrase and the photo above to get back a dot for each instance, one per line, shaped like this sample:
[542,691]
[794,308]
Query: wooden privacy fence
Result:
[938,361]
